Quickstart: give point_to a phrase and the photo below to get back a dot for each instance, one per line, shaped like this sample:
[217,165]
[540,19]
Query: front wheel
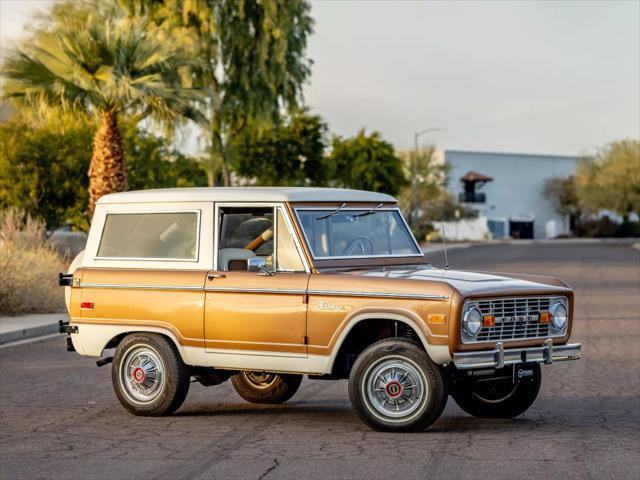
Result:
[148,375]
[264,387]
[497,396]
[395,387]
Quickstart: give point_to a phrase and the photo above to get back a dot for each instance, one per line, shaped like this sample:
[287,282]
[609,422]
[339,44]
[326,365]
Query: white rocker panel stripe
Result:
[92,339]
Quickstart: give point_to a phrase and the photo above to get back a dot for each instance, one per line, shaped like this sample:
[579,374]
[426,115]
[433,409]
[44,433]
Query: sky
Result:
[557,77]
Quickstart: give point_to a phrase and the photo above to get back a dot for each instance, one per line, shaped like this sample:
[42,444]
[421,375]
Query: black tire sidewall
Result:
[177,377]
[435,383]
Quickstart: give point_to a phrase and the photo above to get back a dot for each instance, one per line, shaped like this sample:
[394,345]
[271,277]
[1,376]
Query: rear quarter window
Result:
[158,236]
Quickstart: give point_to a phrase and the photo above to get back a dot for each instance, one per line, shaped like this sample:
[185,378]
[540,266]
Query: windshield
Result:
[356,232]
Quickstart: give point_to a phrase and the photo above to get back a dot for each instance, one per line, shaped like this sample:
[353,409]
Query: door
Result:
[521,229]
[255,313]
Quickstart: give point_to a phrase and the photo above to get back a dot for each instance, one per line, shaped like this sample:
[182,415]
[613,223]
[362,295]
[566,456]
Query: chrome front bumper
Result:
[499,357]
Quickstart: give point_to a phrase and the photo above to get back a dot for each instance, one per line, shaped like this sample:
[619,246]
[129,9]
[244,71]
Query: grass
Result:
[29,282]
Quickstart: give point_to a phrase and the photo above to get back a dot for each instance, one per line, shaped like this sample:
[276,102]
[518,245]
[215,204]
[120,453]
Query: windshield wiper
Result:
[370,212]
[332,213]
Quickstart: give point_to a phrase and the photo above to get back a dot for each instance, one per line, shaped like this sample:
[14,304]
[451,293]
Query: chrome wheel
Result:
[260,379]
[142,375]
[395,388]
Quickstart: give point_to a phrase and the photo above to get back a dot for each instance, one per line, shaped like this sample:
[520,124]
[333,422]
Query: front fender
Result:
[439,354]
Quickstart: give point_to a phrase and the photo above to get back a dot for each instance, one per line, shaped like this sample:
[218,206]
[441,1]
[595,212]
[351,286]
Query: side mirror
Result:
[256,264]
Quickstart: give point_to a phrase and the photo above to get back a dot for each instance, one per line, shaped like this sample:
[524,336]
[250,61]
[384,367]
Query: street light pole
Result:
[414,180]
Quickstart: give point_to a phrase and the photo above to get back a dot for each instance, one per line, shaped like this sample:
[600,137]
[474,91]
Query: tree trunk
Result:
[216,170]
[107,172]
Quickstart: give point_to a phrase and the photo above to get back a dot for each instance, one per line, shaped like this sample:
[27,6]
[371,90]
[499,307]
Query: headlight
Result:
[559,315]
[472,321]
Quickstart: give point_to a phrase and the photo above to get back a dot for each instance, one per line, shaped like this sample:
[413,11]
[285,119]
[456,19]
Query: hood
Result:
[472,283]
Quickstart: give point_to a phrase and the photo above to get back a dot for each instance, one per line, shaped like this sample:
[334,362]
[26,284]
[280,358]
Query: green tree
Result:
[98,62]
[428,179]
[42,168]
[366,162]
[610,180]
[290,153]
[250,61]
[564,195]
[42,171]
[430,201]
[153,164]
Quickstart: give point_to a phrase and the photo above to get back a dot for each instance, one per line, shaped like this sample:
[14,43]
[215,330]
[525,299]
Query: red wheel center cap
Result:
[138,374]
[394,389]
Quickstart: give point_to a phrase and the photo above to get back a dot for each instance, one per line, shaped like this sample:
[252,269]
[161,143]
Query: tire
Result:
[148,375]
[499,398]
[382,375]
[256,387]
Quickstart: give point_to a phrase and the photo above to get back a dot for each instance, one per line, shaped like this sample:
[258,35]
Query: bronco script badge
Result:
[322,305]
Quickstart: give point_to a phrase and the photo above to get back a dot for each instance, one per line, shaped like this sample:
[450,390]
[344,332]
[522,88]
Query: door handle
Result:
[212,276]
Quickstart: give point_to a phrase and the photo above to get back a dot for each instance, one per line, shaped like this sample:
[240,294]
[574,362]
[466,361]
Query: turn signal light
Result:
[86,305]
[437,318]
[488,321]
[545,317]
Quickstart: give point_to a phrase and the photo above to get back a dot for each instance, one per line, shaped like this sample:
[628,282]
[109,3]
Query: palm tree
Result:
[107,65]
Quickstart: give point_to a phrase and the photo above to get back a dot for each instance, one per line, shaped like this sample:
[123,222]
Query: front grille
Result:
[516,318]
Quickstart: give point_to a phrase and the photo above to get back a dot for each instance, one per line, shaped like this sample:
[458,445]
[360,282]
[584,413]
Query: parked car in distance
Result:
[264,285]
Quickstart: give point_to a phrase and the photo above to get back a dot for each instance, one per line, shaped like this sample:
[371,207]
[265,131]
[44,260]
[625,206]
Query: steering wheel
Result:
[259,240]
[360,244]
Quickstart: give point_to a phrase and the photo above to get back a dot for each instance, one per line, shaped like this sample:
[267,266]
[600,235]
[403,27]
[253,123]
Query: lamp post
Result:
[414,180]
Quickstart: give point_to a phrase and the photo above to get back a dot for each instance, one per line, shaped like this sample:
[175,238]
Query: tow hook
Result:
[104,361]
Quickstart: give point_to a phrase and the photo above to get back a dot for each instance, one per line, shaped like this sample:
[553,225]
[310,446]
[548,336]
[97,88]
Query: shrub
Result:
[29,267]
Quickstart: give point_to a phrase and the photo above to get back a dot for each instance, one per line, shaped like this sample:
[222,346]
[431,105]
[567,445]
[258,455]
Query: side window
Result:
[245,232]
[159,236]
[287,256]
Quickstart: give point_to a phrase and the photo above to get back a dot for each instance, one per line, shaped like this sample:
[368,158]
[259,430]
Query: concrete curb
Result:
[28,333]
[30,326]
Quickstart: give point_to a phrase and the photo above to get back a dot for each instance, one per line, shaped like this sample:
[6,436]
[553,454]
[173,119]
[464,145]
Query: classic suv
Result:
[265,285]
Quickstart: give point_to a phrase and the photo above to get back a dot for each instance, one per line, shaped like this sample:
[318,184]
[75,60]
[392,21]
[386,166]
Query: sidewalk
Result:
[13,329]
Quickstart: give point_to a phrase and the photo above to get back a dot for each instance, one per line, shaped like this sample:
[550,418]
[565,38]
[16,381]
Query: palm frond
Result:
[101,61]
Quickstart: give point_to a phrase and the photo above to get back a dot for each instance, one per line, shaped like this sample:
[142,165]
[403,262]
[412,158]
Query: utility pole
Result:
[414,181]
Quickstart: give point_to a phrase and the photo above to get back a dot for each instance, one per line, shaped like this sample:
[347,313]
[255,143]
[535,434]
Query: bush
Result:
[605,227]
[29,267]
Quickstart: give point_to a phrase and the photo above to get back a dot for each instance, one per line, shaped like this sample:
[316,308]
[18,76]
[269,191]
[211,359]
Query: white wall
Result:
[517,191]
[472,229]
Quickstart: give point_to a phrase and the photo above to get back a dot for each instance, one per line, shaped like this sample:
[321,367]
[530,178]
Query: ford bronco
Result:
[264,285]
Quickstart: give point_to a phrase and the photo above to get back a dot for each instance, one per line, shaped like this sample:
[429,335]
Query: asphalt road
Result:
[60,419]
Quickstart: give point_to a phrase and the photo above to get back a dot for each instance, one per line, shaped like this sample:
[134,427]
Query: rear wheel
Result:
[264,387]
[497,396]
[394,386]
[148,375]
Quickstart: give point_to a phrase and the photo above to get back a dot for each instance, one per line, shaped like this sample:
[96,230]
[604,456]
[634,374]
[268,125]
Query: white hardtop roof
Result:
[246,194]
